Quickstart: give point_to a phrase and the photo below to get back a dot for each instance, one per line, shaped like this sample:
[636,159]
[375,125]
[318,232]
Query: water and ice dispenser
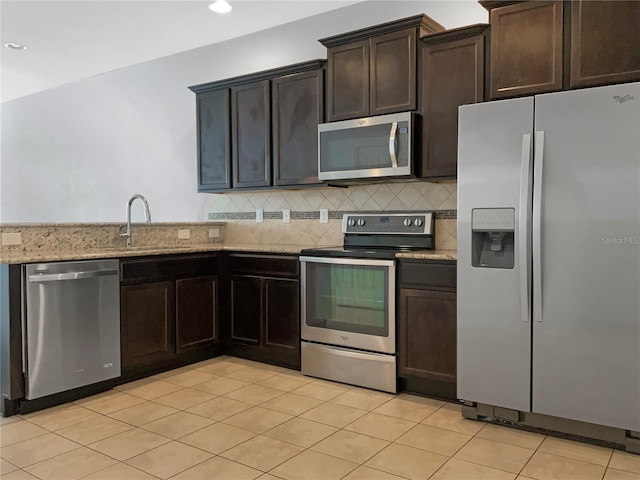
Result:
[492,238]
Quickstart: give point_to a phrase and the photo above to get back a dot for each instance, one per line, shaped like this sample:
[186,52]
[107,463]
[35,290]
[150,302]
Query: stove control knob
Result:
[361,222]
[418,222]
[407,222]
[351,222]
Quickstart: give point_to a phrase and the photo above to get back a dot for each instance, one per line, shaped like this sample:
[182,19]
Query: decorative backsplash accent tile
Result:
[238,209]
[378,197]
[313,215]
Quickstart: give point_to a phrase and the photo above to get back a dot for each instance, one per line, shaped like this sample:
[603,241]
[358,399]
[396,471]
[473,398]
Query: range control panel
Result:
[410,223]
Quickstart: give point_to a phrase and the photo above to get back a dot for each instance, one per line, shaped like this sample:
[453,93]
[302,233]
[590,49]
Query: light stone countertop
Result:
[59,255]
[429,255]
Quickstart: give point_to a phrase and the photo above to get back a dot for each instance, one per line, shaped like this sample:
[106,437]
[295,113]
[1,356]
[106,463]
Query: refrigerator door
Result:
[494,180]
[586,226]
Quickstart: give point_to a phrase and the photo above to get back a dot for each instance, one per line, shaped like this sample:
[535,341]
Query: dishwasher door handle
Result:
[57,277]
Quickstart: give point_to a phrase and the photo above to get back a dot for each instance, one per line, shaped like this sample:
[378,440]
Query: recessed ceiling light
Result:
[15,46]
[220,6]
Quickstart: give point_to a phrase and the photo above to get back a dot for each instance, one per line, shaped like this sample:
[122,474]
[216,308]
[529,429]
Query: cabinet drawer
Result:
[427,275]
[264,265]
[172,267]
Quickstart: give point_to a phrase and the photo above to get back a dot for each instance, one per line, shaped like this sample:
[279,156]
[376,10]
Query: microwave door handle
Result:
[392,144]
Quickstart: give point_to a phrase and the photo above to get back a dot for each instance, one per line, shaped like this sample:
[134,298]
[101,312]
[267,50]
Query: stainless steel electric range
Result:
[348,298]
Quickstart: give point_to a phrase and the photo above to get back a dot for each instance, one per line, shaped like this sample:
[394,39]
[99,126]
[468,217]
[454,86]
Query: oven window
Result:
[350,298]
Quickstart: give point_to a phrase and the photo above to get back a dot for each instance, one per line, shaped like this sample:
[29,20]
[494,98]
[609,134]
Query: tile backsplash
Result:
[239,209]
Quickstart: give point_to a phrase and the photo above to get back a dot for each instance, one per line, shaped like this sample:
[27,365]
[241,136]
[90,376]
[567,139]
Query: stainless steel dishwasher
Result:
[72,325]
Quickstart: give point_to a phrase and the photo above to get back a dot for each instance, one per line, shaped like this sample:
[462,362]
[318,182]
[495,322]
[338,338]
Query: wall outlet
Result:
[184,234]
[214,233]
[259,215]
[324,215]
[12,238]
[286,216]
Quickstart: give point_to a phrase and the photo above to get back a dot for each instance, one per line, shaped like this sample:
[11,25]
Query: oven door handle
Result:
[349,261]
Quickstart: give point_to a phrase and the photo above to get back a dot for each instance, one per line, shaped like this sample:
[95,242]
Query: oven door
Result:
[349,302]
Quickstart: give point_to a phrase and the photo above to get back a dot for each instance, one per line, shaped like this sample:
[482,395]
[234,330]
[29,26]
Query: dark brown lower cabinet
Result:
[281,314]
[427,329]
[147,318]
[246,309]
[196,302]
[265,308]
[168,312]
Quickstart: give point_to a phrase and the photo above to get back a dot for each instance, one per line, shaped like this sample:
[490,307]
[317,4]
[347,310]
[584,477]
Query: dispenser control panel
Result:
[493,219]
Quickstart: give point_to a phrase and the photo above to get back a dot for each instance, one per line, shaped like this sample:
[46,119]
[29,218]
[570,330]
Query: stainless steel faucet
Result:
[147,215]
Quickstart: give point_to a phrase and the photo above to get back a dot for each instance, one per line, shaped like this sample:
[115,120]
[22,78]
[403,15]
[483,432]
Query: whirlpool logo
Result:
[622,99]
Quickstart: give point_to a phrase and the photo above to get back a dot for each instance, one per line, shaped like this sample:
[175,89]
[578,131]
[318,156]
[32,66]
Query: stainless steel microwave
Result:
[374,147]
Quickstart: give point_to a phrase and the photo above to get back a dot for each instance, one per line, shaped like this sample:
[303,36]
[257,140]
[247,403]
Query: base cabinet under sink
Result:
[169,312]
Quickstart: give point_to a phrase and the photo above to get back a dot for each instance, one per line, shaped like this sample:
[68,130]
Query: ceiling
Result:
[70,40]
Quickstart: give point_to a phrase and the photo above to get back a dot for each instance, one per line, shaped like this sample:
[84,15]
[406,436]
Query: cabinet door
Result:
[214,148]
[526,48]
[393,72]
[246,309]
[605,42]
[453,75]
[348,81]
[251,135]
[147,318]
[196,312]
[281,314]
[428,334]
[297,109]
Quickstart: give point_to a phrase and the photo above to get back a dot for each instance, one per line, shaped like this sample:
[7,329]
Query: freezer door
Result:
[586,328]
[494,179]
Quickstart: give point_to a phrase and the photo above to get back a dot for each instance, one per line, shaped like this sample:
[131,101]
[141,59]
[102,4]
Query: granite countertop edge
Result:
[36,256]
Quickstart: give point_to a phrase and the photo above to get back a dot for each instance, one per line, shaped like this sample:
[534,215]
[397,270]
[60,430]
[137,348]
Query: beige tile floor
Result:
[229,418]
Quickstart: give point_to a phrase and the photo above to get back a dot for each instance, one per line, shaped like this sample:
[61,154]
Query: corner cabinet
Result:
[427,328]
[452,66]
[265,308]
[373,71]
[260,130]
[168,312]
[214,140]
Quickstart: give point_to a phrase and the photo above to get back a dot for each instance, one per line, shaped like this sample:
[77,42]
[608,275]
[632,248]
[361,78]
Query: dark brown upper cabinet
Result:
[545,46]
[373,71]
[214,140]
[260,130]
[452,70]
[251,135]
[297,108]
[526,48]
[605,42]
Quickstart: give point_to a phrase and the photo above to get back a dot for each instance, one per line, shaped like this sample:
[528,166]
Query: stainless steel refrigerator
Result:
[549,255]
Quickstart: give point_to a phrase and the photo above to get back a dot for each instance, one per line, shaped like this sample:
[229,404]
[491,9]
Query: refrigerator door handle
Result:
[523,225]
[537,226]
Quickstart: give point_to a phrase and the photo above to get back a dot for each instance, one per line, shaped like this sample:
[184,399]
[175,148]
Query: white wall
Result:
[78,152]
